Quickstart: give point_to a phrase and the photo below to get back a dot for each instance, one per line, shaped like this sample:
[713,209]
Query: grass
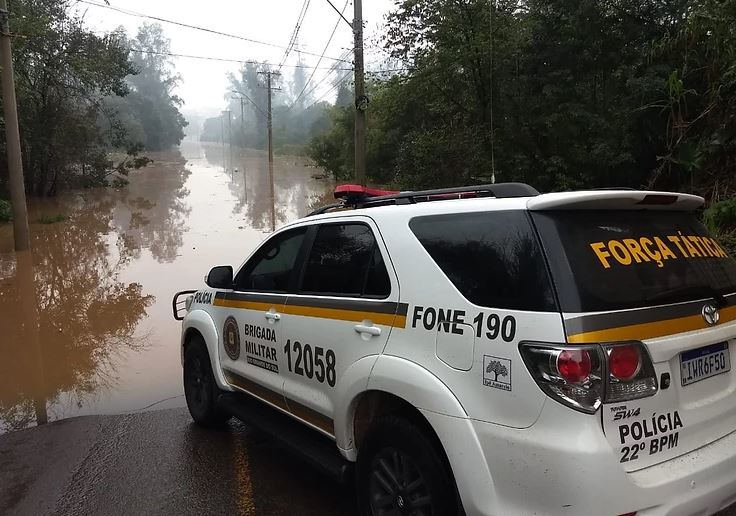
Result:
[52,220]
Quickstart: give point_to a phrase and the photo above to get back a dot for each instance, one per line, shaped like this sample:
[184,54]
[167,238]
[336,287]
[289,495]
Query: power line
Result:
[340,13]
[226,60]
[334,86]
[334,29]
[326,76]
[255,105]
[195,27]
[295,32]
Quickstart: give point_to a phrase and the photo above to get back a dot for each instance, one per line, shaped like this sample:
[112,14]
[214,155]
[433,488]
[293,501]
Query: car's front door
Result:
[251,338]
[344,308]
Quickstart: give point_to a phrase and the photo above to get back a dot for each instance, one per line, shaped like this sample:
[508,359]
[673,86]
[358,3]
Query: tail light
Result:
[574,365]
[586,376]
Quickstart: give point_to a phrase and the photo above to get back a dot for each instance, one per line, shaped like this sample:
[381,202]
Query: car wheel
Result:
[200,389]
[400,472]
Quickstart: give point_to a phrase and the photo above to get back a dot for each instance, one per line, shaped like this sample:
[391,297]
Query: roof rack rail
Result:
[355,196]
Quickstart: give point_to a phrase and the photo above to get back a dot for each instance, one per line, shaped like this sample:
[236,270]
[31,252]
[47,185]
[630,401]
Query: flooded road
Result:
[105,277]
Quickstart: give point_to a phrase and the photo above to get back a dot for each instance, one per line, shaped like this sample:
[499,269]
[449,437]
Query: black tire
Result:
[200,389]
[400,472]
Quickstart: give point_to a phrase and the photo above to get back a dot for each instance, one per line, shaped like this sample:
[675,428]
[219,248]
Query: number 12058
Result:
[312,362]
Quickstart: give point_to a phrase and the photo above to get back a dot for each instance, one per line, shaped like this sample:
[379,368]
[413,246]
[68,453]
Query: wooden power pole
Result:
[269,116]
[230,139]
[242,122]
[12,134]
[361,101]
[21,233]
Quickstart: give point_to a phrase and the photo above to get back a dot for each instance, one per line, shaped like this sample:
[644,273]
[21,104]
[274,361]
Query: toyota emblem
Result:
[710,314]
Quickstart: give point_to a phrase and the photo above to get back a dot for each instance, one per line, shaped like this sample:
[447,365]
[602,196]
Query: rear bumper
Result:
[564,465]
[700,482]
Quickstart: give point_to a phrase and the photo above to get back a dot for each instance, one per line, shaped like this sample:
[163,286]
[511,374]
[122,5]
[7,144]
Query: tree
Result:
[699,102]
[152,99]
[62,73]
[560,93]
[295,120]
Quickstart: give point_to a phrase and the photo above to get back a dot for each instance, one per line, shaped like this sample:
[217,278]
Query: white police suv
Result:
[486,349]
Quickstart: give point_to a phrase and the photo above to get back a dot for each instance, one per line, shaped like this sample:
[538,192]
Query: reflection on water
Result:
[152,211]
[86,316]
[105,276]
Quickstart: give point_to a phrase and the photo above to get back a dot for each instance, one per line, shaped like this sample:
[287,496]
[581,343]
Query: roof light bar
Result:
[356,196]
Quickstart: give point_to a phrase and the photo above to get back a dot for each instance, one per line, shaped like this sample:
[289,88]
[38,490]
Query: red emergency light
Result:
[356,192]
[356,196]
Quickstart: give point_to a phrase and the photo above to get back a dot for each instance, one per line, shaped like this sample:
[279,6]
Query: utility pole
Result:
[21,233]
[222,139]
[269,116]
[242,122]
[361,101]
[230,138]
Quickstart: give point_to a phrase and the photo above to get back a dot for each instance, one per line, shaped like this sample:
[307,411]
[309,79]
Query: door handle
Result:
[369,330]
[272,316]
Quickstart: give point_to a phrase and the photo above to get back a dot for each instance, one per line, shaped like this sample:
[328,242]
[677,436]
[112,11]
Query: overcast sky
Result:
[203,82]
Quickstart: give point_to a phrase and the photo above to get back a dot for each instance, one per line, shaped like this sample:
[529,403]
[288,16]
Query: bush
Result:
[721,216]
[6,214]
[721,220]
[728,241]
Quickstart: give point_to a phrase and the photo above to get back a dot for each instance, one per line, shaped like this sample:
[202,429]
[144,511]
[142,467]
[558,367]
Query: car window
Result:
[493,258]
[606,260]
[346,261]
[270,269]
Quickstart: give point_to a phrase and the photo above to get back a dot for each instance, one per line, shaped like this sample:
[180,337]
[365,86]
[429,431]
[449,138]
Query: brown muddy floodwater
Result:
[105,276]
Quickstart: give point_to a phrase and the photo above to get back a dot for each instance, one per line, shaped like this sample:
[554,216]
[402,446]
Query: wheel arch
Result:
[373,405]
[388,384]
[200,323]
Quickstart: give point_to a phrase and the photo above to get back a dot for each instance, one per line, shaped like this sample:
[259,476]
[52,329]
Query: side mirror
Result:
[220,277]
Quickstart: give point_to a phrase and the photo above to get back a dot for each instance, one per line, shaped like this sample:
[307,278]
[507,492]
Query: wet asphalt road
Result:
[157,463]
[160,463]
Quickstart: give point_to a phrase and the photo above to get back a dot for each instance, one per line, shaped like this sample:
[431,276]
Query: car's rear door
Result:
[655,276]
[344,309]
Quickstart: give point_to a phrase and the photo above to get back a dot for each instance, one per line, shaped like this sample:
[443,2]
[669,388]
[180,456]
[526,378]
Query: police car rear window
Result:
[493,258]
[613,260]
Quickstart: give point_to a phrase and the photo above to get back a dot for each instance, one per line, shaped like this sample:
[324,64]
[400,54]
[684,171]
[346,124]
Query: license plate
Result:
[699,364]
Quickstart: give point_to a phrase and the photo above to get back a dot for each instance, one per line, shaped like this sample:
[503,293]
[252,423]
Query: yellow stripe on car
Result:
[398,321]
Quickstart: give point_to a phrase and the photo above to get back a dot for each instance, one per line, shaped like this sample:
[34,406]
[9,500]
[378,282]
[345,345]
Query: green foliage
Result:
[52,219]
[151,100]
[6,213]
[333,150]
[62,72]
[701,100]
[575,94]
[82,95]
[721,216]
[728,241]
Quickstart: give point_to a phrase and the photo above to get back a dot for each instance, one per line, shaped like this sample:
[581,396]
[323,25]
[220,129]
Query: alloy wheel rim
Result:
[397,487]
[197,382]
